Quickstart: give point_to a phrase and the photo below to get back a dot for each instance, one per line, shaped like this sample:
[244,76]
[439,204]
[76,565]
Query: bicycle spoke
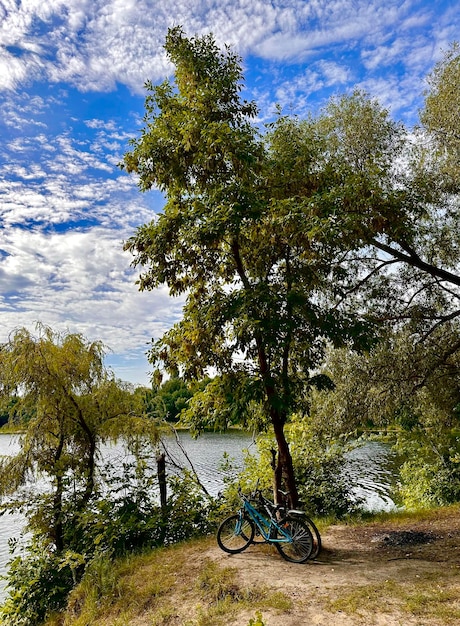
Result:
[299,549]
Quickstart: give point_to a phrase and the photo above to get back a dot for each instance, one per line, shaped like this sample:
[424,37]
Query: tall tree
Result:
[441,114]
[285,241]
[237,236]
[389,200]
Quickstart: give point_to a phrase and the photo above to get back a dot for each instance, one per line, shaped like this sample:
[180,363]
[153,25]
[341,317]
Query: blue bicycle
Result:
[288,533]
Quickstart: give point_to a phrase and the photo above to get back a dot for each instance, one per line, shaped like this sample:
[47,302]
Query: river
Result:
[370,466]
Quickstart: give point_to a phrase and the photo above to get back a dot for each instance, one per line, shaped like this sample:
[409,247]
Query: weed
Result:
[218,583]
[257,620]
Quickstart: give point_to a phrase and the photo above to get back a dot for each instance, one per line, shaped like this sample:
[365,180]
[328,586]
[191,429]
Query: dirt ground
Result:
[404,573]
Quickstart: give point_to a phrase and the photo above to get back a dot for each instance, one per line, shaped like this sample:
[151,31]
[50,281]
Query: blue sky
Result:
[71,96]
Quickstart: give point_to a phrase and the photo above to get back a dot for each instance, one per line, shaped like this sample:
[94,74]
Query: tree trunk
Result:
[57,530]
[284,470]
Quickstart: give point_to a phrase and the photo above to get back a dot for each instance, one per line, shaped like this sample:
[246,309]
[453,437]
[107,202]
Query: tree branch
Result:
[413,259]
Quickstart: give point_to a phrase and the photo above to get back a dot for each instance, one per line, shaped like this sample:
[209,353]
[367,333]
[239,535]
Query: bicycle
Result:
[291,537]
[281,510]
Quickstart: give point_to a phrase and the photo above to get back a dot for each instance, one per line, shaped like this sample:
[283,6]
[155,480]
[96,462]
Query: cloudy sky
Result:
[71,96]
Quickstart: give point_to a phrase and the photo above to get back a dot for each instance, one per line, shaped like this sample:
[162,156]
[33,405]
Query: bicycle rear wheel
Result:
[316,537]
[312,526]
[300,548]
[235,534]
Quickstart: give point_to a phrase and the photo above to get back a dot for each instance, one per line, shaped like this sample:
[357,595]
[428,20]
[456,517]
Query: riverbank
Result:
[402,569]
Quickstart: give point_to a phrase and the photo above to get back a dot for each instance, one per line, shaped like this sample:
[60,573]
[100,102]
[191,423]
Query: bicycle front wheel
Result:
[235,534]
[299,549]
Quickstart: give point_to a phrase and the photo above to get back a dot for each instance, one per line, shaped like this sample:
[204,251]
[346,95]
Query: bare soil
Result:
[397,573]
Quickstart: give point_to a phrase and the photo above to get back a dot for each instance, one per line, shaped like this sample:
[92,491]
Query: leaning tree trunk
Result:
[284,469]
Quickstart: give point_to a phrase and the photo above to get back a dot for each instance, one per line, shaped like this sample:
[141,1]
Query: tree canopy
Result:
[283,241]
[441,114]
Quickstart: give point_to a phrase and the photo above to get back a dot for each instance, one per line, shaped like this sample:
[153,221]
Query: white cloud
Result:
[64,205]
[94,45]
[79,281]
[295,95]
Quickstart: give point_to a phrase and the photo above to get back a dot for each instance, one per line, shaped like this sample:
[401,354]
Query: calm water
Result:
[370,466]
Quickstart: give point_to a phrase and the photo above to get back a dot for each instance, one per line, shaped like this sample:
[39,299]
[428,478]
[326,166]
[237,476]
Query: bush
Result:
[430,476]
[38,583]
[319,459]
[324,489]
[190,512]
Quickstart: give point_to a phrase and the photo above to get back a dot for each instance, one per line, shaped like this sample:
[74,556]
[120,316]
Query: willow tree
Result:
[67,404]
[239,237]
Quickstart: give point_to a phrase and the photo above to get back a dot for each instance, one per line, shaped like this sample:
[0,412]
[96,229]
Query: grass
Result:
[115,593]
[159,585]
[428,598]
[395,516]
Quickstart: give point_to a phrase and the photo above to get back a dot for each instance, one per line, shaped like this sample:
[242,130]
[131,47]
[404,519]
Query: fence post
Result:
[161,472]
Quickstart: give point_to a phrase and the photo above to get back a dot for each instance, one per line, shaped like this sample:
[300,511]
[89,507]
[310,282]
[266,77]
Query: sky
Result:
[72,75]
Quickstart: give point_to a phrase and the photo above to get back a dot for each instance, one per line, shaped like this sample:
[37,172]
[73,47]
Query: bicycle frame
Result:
[263,524]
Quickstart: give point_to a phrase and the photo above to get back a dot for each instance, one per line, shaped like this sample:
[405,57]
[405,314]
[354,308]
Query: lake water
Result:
[370,466]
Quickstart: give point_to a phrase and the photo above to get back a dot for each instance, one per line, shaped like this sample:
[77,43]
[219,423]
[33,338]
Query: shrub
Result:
[127,519]
[38,583]
[318,461]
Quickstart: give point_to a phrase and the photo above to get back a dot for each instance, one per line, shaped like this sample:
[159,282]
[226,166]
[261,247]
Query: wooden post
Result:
[161,472]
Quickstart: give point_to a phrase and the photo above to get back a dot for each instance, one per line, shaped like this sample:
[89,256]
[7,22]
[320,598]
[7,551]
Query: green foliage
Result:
[167,402]
[73,405]
[289,241]
[128,519]
[250,233]
[407,386]
[442,111]
[430,474]
[189,512]
[319,232]
[100,581]
[38,583]
[324,489]
[232,399]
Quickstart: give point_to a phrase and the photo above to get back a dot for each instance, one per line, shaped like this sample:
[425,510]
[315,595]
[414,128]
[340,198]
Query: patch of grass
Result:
[166,614]
[217,584]
[124,588]
[436,601]
[353,600]
[404,515]
[158,584]
[222,596]
[278,600]
[426,599]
